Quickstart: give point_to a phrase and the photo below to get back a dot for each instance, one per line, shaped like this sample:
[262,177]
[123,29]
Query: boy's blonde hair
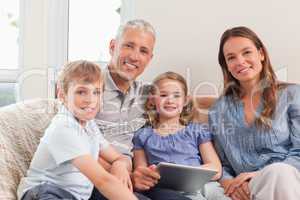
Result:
[150,108]
[80,70]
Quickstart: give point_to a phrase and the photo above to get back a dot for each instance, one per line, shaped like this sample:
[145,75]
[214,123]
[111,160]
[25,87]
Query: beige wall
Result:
[188,33]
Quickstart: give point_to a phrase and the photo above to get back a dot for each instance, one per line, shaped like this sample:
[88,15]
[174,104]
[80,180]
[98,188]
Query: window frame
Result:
[43,46]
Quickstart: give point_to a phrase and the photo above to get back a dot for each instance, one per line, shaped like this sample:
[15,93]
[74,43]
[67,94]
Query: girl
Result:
[256,123]
[65,164]
[170,136]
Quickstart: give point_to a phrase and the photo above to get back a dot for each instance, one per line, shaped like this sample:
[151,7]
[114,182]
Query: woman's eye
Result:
[81,92]
[230,58]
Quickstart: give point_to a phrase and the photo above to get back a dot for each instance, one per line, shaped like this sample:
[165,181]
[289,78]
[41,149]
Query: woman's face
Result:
[243,59]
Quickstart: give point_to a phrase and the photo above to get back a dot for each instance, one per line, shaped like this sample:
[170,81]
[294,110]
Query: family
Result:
[111,131]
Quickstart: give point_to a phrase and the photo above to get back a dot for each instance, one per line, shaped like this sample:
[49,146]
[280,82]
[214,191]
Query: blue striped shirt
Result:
[246,148]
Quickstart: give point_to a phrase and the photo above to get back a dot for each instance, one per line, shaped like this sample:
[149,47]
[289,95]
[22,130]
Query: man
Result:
[124,97]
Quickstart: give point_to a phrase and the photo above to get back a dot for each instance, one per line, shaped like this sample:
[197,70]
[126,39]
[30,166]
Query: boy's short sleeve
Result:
[66,142]
[103,143]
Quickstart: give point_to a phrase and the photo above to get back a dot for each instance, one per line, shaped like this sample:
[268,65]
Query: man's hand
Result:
[120,170]
[145,177]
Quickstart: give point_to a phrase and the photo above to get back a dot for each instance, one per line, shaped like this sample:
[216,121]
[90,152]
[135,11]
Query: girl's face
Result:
[243,59]
[169,99]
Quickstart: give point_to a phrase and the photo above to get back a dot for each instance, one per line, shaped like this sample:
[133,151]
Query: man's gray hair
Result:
[136,24]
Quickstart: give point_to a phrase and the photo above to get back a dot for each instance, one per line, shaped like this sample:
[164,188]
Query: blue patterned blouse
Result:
[246,148]
[181,147]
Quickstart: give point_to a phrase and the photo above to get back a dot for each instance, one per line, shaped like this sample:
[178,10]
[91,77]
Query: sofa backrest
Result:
[201,108]
[21,127]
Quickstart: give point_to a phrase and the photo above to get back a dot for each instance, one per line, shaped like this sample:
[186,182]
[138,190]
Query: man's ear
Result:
[150,103]
[151,55]
[112,46]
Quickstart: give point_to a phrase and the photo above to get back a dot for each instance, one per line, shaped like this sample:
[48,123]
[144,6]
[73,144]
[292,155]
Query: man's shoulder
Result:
[143,87]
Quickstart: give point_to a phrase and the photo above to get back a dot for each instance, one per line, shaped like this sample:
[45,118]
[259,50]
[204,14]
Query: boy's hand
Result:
[145,177]
[119,169]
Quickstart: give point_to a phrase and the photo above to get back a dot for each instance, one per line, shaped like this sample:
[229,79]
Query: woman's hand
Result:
[119,170]
[237,188]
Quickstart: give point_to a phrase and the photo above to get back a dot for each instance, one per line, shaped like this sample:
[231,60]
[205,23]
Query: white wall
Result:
[188,33]
[43,48]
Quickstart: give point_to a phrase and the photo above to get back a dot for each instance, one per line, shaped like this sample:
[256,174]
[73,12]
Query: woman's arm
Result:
[210,158]
[293,111]
[106,183]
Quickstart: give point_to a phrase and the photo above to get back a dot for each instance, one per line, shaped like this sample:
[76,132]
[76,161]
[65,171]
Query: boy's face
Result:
[83,100]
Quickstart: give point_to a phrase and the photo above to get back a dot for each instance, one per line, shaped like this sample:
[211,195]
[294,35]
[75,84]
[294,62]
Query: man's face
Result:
[131,53]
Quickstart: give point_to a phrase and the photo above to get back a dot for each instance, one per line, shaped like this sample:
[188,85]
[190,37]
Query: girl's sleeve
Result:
[202,132]
[138,139]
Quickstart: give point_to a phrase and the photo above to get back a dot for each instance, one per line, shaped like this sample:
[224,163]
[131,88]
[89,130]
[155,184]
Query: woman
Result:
[256,123]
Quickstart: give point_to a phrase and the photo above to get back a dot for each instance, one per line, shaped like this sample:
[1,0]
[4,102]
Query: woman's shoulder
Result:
[290,89]
[222,102]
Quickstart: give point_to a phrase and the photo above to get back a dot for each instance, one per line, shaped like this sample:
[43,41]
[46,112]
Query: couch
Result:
[21,127]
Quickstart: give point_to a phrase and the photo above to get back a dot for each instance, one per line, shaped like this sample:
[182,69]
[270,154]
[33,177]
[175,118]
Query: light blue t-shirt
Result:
[64,140]
[245,148]
[181,147]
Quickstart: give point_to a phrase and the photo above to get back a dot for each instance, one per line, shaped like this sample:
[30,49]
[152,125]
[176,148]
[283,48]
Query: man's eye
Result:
[128,45]
[145,52]
[163,95]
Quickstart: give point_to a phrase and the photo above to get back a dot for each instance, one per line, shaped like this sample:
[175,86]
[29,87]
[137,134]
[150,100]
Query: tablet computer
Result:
[183,177]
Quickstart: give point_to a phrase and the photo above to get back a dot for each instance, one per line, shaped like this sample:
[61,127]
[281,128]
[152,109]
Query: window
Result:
[9,48]
[92,25]
[7,93]
[9,11]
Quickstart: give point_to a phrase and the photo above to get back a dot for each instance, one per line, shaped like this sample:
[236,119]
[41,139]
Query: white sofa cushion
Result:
[21,127]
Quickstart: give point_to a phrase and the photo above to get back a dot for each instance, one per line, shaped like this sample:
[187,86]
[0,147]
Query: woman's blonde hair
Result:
[150,108]
[80,70]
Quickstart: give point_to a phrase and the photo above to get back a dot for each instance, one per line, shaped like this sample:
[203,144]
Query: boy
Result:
[65,164]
